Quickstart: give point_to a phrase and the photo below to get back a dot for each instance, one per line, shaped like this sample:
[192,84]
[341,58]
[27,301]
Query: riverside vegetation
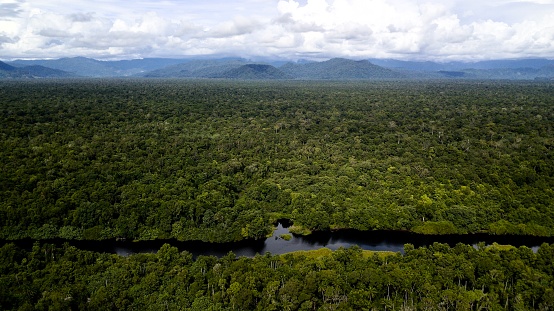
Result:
[437,277]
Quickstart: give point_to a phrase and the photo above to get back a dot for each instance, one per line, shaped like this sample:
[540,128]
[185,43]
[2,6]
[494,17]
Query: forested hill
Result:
[221,69]
[6,67]
[255,72]
[222,160]
[197,69]
[339,69]
[34,71]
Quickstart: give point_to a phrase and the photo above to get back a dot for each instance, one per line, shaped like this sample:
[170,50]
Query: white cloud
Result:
[425,29]
[238,26]
[406,29]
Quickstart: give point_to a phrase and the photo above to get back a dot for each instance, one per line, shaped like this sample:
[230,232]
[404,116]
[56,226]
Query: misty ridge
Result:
[244,69]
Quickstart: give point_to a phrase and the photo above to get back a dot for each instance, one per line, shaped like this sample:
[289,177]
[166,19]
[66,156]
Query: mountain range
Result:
[339,69]
[31,71]
[239,68]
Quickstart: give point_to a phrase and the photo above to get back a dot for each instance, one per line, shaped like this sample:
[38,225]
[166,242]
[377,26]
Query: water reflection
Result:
[369,240]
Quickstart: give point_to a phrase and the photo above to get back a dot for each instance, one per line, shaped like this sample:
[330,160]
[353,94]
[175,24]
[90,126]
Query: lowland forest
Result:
[223,160]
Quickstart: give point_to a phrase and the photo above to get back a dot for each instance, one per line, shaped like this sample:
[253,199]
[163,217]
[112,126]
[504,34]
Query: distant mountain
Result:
[155,67]
[411,65]
[35,71]
[215,68]
[135,66]
[80,66]
[43,72]
[521,69]
[339,69]
[6,67]
[255,71]
[512,73]
[458,66]
[239,68]
[511,64]
[88,67]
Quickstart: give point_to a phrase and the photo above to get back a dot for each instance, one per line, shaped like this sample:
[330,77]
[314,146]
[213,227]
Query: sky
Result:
[435,30]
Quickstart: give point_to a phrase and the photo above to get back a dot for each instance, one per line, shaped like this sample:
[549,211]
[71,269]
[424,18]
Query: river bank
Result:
[390,241]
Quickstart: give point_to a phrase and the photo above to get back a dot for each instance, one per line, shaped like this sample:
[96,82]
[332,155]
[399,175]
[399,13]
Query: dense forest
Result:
[222,160]
[437,277]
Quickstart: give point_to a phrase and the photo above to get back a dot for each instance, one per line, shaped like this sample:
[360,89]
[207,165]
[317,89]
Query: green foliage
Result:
[286,237]
[217,160]
[464,278]
[299,230]
[436,227]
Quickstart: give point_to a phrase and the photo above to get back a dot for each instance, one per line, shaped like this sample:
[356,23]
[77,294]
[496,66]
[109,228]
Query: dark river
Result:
[369,240]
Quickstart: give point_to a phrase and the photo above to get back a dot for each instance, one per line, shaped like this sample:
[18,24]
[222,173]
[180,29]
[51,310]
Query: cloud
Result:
[81,17]
[423,30]
[10,10]
[404,29]
[505,11]
[5,39]
[238,26]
